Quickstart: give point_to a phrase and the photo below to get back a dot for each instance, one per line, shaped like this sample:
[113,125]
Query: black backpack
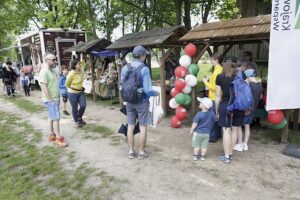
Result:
[131,88]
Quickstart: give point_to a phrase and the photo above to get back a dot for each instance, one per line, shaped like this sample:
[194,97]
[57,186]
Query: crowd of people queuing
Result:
[210,123]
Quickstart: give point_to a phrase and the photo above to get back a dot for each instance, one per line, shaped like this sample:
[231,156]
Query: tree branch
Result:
[147,13]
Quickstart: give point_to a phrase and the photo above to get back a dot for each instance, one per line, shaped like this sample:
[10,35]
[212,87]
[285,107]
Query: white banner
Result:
[283,90]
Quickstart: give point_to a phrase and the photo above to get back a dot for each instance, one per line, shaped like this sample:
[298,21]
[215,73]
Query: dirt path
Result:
[169,173]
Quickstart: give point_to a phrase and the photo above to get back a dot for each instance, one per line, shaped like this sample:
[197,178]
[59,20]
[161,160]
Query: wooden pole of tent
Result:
[119,68]
[285,131]
[149,64]
[93,76]
[163,81]
[197,57]
[296,119]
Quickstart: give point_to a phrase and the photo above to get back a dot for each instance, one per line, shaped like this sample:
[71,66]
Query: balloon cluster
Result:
[276,118]
[185,79]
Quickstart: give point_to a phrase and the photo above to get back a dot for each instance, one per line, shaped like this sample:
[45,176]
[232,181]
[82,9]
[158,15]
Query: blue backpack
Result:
[241,97]
[131,88]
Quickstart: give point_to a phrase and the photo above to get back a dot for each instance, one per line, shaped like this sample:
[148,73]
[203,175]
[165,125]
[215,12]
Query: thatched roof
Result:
[151,38]
[252,28]
[93,45]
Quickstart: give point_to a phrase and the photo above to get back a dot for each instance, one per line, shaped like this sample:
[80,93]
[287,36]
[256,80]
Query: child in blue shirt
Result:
[203,122]
[63,89]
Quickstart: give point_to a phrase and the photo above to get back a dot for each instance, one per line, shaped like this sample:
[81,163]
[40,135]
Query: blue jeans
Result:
[76,99]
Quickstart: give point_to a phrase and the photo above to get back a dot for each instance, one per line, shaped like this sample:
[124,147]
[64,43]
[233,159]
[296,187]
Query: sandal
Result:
[61,142]
[51,137]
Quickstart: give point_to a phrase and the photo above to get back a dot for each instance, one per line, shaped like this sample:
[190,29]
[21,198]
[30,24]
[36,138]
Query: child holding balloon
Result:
[203,122]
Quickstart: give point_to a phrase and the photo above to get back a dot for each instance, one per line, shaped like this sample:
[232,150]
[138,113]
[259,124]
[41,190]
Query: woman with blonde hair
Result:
[230,122]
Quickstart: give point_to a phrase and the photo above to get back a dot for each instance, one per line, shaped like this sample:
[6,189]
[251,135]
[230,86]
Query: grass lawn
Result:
[25,104]
[102,131]
[29,172]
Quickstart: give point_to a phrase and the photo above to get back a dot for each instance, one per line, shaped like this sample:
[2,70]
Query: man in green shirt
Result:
[49,85]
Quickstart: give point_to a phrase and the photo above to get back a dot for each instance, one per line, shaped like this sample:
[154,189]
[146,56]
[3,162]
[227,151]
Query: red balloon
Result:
[179,84]
[181,72]
[175,122]
[180,112]
[174,92]
[275,116]
[190,49]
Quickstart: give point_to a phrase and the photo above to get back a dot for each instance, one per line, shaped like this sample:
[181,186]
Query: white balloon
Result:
[191,80]
[185,61]
[187,89]
[173,104]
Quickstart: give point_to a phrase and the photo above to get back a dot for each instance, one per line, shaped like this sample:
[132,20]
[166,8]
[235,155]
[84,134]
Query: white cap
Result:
[206,102]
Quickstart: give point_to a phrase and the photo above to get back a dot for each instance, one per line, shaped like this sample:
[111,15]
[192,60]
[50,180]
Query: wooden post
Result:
[285,131]
[296,119]
[93,76]
[149,64]
[119,68]
[227,49]
[266,43]
[197,57]
[163,81]
[216,48]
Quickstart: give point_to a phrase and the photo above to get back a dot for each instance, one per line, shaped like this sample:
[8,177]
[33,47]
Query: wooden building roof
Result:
[93,45]
[151,38]
[243,29]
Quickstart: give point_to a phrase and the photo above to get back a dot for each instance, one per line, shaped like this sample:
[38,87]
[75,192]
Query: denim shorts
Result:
[226,120]
[53,110]
[65,98]
[138,111]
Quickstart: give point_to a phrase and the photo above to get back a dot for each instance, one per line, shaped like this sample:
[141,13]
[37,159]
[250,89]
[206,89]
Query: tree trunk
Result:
[207,9]
[187,14]
[91,18]
[178,6]
[146,18]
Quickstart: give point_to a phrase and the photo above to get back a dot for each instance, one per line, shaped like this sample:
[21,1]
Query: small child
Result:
[203,122]
[63,89]
[24,82]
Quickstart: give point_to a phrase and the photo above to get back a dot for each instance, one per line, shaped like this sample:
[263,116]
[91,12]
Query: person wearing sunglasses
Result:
[49,85]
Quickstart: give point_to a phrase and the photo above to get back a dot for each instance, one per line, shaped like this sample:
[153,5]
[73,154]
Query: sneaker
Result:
[131,154]
[66,113]
[202,158]
[230,157]
[82,122]
[224,159]
[195,157]
[238,147]
[61,142]
[143,155]
[79,124]
[51,137]
[245,147]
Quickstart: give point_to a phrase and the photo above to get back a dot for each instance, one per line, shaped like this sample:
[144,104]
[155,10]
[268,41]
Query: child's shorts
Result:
[53,110]
[200,140]
[65,98]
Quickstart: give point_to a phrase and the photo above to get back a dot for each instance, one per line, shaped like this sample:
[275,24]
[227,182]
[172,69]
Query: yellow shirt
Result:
[74,82]
[211,85]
